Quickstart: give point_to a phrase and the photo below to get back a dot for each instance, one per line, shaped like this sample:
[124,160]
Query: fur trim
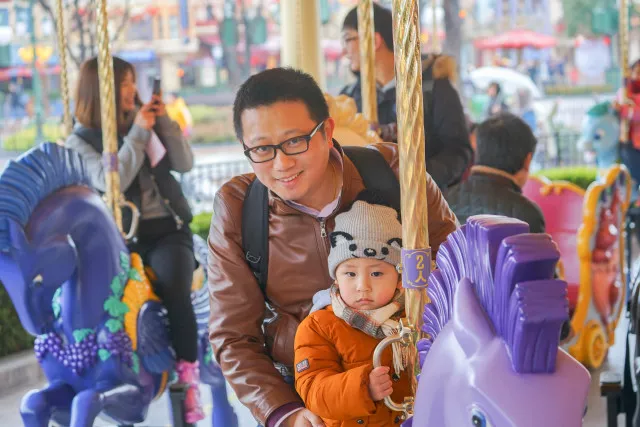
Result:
[443,67]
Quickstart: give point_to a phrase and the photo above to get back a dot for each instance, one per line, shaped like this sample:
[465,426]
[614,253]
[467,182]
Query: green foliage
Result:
[104,354]
[211,124]
[201,223]
[114,325]
[13,337]
[578,90]
[80,334]
[135,363]
[115,307]
[582,176]
[26,138]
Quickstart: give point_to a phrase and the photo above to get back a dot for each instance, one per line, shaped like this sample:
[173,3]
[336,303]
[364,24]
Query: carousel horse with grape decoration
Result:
[101,332]
[491,357]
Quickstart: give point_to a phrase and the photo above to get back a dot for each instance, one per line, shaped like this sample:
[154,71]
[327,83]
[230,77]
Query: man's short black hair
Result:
[503,142]
[382,23]
[279,85]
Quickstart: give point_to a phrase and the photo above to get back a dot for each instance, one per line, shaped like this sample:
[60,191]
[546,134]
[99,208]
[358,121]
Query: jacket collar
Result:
[495,175]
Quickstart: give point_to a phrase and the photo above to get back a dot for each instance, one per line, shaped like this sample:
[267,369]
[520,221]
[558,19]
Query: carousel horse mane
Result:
[351,127]
[34,176]
[511,274]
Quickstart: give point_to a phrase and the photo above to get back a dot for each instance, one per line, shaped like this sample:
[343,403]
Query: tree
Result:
[578,15]
[81,26]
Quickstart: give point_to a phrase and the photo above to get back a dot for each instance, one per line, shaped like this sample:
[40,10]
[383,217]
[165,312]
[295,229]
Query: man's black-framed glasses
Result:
[290,147]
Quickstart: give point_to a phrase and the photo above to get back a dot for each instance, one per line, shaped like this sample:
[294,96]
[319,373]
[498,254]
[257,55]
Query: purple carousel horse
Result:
[492,356]
[102,338]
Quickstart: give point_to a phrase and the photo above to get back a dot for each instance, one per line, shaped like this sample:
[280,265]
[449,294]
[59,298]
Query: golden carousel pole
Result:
[416,253]
[434,31]
[108,113]
[624,64]
[64,77]
[366,35]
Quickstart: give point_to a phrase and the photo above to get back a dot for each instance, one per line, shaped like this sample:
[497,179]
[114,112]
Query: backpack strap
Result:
[255,231]
[376,173]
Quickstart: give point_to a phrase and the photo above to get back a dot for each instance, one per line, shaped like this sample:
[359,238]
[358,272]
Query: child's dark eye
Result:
[377,274]
[350,274]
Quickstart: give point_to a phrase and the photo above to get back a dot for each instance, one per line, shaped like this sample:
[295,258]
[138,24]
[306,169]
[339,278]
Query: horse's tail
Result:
[35,175]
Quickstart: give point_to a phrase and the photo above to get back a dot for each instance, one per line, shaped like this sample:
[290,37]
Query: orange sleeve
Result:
[325,387]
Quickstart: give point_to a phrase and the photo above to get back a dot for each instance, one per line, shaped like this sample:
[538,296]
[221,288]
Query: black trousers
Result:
[169,253]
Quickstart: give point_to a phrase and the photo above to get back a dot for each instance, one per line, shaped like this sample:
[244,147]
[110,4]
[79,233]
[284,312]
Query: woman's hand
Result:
[146,117]
[157,104]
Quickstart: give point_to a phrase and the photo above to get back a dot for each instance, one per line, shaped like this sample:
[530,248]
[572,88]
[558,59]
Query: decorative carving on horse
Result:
[352,128]
[101,332]
[492,356]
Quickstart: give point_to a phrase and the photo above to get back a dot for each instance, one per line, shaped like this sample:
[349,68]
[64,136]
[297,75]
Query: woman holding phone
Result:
[150,146]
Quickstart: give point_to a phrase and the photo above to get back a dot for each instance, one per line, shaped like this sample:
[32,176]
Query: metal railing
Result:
[203,181]
[201,184]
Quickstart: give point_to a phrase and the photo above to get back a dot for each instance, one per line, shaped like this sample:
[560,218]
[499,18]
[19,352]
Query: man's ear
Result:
[527,162]
[378,42]
[329,127]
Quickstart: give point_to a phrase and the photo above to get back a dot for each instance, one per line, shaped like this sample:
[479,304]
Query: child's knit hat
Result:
[366,231]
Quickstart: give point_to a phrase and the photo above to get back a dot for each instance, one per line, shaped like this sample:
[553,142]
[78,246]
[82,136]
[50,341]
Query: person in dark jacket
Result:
[448,149]
[505,146]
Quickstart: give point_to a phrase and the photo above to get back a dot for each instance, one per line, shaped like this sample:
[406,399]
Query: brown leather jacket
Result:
[297,270]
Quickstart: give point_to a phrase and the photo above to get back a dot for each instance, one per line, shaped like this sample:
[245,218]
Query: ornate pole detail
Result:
[366,34]
[64,77]
[108,113]
[416,254]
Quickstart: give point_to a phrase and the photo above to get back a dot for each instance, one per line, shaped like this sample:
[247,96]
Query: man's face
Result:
[351,48]
[292,177]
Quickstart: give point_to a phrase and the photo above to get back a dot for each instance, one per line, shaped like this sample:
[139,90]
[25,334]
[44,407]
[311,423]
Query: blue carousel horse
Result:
[600,134]
[101,333]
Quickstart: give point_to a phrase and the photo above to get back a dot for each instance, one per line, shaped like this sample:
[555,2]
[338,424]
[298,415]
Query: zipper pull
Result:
[323,229]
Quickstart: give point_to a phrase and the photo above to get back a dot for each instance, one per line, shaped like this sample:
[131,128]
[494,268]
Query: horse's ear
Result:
[471,325]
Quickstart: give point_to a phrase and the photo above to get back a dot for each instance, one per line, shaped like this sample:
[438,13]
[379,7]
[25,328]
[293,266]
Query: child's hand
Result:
[380,383]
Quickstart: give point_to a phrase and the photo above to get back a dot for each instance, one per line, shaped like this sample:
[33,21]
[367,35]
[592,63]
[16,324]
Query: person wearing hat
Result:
[334,345]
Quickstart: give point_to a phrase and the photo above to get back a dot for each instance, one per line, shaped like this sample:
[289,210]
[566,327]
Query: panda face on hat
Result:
[370,249]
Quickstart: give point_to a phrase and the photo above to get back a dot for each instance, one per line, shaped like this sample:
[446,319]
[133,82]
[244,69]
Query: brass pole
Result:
[108,113]
[624,64]
[411,142]
[366,34]
[64,77]
[434,36]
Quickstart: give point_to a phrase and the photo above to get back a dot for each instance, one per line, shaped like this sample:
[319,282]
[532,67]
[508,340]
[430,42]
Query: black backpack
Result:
[376,174]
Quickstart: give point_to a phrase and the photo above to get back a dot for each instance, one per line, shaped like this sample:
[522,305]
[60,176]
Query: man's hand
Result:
[303,418]
[380,385]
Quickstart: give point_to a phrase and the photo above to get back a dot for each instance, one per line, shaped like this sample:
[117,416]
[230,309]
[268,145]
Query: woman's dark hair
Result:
[87,110]
[279,85]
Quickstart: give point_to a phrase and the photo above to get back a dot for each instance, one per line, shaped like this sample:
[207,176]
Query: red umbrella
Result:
[516,39]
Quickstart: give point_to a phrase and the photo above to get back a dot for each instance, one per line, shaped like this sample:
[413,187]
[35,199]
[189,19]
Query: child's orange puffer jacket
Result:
[333,363]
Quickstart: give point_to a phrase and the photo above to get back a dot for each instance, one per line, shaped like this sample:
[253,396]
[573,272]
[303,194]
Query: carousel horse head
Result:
[600,134]
[351,127]
[33,266]
[491,357]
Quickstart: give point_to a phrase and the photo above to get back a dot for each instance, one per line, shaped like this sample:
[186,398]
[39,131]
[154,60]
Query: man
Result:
[282,119]
[504,147]
[447,142]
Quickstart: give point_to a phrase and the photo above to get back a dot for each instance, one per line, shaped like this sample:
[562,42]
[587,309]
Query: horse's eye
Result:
[478,419]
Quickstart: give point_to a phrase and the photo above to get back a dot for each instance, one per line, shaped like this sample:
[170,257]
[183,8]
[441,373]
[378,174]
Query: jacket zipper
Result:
[323,229]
